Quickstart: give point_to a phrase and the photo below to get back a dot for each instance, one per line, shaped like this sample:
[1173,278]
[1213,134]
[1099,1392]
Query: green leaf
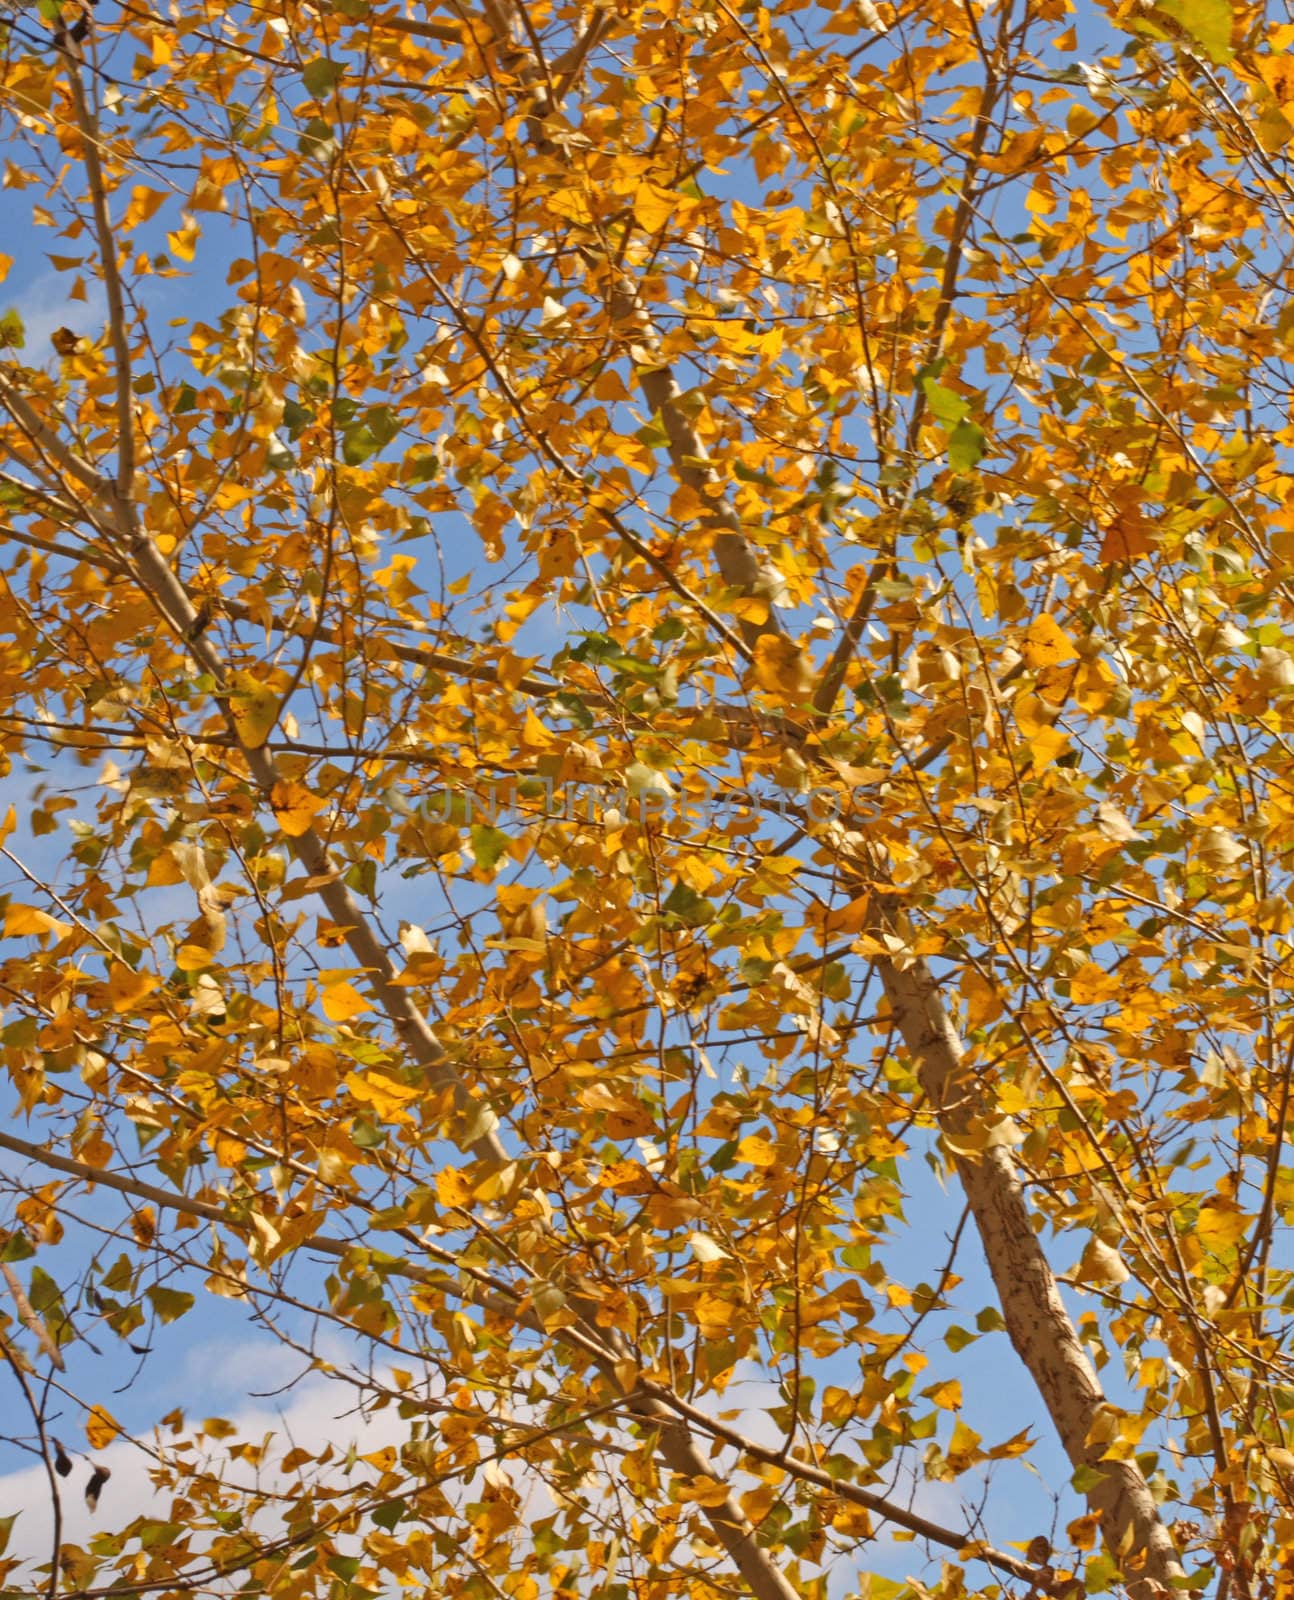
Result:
[367,1135]
[358,444]
[185,400]
[724,1157]
[1207,22]
[45,1294]
[965,446]
[321,76]
[1197,1580]
[1087,1478]
[691,909]
[153,1534]
[945,406]
[488,845]
[16,1247]
[47,1298]
[296,417]
[958,1338]
[6,1528]
[316,139]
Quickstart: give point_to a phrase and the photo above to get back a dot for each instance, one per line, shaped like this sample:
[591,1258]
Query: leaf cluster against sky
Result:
[876,416]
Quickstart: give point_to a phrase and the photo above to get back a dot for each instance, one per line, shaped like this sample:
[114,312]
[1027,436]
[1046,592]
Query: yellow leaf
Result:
[255,709]
[964,1444]
[294,807]
[946,1395]
[758,1502]
[230,1152]
[701,1491]
[1019,1444]
[654,206]
[1045,643]
[627,1177]
[1219,1231]
[127,988]
[757,1150]
[342,1001]
[144,203]
[534,735]
[453,1187]
[982,1001]
[387,1096]
[184,242]
[101,1427]
[1046,745]
[1102,1265]
[1277,72]
[781,666]
[192,957]
[1091,984]
[23,920]
[96,1151]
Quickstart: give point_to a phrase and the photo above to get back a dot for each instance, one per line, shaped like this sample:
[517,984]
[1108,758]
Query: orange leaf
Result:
[1125,539]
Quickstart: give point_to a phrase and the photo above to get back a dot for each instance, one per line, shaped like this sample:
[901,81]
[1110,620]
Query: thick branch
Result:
[1037,1322]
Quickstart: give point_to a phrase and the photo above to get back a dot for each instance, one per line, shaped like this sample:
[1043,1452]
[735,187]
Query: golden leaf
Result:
[654,206]
[387,1096]
[254,708]
[126,988]
[342,1000]
[1045,643]
[101,1428]
[453,1188]
[781,666]
[20,921]
[1219,1230]
[295,807]
[946,1395]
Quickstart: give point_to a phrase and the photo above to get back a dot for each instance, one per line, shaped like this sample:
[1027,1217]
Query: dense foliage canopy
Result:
[647,673]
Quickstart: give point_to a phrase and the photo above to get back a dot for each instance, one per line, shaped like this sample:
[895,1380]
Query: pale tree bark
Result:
[1040,1328]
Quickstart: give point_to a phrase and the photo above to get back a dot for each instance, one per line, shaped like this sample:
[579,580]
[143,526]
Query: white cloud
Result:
[316,1413]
